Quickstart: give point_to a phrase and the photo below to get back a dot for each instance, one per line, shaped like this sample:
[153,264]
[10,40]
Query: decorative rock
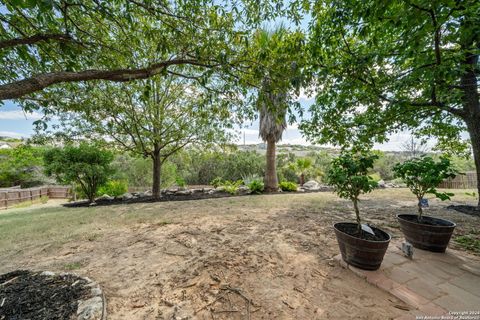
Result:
[148,193]
[381,184]
[207,190]
[183,192]
[127,196]
[105,197]
[243,190]
[311,185]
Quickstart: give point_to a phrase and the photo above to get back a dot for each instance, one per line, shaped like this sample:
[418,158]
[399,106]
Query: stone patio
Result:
[432,284]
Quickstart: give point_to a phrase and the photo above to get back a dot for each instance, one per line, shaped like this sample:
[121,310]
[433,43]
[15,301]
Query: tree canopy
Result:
[50,42]
[386,66]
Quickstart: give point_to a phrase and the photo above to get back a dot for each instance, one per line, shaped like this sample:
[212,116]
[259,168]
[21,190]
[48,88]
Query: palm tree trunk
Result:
[271,180]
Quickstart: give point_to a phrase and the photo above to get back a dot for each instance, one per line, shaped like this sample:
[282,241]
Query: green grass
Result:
[72,266]
[470,241]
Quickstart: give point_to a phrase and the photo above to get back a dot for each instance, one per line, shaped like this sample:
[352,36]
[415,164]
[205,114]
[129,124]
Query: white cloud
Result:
[11,134]
[19,115]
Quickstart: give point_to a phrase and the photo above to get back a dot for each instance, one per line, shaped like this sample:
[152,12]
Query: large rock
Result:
[105,197]
[311,185]
[127,196]
[183,192]
[243,190]
[381,184]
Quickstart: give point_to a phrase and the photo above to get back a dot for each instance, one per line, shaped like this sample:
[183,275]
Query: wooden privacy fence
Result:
[463,181]
[13,196]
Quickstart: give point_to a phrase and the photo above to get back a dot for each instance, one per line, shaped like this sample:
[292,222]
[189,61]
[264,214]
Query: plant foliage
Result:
[348,174]
[423,175]
[87,165]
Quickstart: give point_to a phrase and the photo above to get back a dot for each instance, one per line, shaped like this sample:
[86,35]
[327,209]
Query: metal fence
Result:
[464,181]
[11,197]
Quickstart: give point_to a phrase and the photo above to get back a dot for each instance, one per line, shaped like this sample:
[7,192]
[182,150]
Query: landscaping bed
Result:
[45,295]
[175,195]
[470,210]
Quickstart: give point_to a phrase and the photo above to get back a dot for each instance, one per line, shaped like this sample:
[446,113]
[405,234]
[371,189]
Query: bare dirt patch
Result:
[259,257]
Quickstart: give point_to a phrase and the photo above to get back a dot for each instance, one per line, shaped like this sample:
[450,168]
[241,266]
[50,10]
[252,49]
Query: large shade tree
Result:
[51,43]
[385,66]
[153,118]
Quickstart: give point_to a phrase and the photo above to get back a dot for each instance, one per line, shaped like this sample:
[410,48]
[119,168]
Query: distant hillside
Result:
[301,150]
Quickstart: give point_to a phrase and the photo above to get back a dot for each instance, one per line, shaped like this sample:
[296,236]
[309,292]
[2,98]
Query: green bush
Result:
[256,186]
[375,177]
[87,165]
[348,174]
[216,182]
[179,181]
[44,199]
[423,175]
[232,187]
[288,186]
[113,188]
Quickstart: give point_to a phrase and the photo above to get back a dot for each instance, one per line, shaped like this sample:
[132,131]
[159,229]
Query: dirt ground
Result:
[255,257]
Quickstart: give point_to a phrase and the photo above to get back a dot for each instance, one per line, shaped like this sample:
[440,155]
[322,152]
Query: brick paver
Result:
[432,283]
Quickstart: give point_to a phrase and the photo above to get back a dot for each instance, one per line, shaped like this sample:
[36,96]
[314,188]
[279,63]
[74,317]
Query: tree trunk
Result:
[474,130]
[357,215]
[157,177]
[471,107]
[302,179]
[419,208]
[271,181]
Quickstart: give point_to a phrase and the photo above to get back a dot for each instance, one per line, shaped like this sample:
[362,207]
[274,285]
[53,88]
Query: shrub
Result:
[86,165]
[288,186]
[256,186]
[423,175]
[113,188]
[247,179]
[375,177]
[231,187]
[44,199]
[179,181]
[348,174]
[216,182]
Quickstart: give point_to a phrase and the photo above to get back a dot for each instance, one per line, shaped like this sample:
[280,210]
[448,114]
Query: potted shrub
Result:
[423,175]
[361,245]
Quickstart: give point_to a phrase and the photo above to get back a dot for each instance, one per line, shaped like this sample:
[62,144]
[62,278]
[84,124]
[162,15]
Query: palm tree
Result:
[301,168]
[277,51]
[272,125]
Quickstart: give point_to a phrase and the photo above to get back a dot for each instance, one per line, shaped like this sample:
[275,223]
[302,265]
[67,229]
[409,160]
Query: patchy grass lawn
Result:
[269,257]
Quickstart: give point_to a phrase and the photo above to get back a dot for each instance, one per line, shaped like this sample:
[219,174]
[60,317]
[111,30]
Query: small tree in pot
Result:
[423,175]
[361,245]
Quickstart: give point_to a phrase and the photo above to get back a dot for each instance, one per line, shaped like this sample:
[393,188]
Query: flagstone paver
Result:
[433,284]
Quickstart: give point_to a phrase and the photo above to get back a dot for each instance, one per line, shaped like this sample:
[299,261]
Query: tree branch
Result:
[23,87]
[34,39]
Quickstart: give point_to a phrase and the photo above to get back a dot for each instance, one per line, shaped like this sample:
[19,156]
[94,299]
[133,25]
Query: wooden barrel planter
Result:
[432,234]
[361,253]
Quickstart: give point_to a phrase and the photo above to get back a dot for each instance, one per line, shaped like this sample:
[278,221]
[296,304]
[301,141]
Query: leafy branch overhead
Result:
[52,42]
